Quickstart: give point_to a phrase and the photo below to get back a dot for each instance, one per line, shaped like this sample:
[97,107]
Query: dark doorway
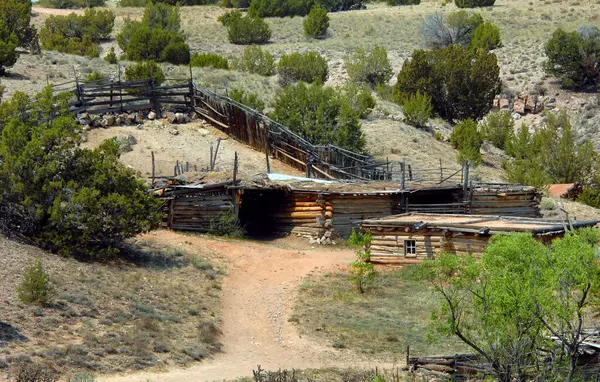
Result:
[257,212]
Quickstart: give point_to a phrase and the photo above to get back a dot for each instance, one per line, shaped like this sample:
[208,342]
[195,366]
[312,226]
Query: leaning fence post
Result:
[466,180]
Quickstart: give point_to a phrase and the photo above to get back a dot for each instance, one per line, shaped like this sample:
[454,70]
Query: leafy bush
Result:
[308,67]
[95,77]
[456,28]
[212,60]
[16,16]
[316,23]
[36,372]
[551,155]
[417,109]
[255,60]
[321,115]
[498,128]
[82,377]
[249,99]
[235,3]
[144,71]
[248,30]
[36,286]
[229,17]
[133,3]
[372,68]
[67,4]
[227,224]
[63,197]
[461,82]
[573,57]
[156,37]
[280,8]
[404,2]
[466,138]
[474,3]
[77,34]
[359,97]
[8,47]
[486,36]
[111,57]
[283,8]
[362,271]
[359,238]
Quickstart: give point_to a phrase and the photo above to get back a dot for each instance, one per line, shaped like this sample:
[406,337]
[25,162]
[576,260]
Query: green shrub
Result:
[372,68]
[35,372]
[316,23]
[248,30]
[212,60]
[8,47]
[36,286]
[417,109]
[111,57]
[73,200]
[144,71]
[69,4]
[235,3]
[404,2]
[227,224]
[359,238]
[156,37]
[229,17]
[95,77]
[77,34]
[82,377]
[571,56]
[461,82]
[321,115]
[466,138]
[308,67]
[486,36]
[16,16]
[249,99]
[474,3]
[255,60]
[360,98]
[283,8]
[497,128]
[362,271]
[133,3]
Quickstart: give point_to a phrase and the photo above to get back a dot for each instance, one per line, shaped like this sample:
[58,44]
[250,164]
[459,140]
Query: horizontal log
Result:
[306,215]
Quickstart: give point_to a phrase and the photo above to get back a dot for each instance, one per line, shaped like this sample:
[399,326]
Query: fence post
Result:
[120,89]
[466,180]
[410,177]
[402,175]
[441,171]
[153,167]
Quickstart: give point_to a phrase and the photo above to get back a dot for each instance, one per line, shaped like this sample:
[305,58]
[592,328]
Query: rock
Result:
[312,241]
[187,118]
[539,106]
[523,96]
[110,119]
[173,131]
[516,116]
[171,117]
[152,116]
[519,107]
[496,103]
[85,121]
[504,104]
[179,117]
[125,142]
[140,126]
[203,132]
[139,118]
[529,104]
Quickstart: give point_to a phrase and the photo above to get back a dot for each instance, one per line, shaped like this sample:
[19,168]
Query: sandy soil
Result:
[258,295]
[189,142]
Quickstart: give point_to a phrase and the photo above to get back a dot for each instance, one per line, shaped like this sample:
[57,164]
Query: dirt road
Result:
[258,295]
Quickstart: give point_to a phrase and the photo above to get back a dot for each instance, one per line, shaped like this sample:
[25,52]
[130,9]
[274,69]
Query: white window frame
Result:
[410,248]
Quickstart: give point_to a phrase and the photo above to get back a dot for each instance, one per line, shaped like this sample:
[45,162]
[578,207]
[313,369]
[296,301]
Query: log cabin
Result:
[413,237]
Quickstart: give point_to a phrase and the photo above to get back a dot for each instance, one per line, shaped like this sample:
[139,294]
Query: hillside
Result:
[525,28]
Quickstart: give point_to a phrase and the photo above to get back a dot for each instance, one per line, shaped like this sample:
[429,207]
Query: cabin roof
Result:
[485,223]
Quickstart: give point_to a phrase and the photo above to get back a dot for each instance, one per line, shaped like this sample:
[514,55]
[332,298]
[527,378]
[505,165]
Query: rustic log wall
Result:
[525,203]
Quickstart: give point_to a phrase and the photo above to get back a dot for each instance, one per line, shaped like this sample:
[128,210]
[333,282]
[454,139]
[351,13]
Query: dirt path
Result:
[258,295]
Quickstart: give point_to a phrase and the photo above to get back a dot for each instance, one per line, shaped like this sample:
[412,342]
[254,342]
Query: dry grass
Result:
[392,315]
[153,309]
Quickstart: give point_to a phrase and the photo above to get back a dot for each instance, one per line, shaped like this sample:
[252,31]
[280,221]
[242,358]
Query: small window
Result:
[410,247]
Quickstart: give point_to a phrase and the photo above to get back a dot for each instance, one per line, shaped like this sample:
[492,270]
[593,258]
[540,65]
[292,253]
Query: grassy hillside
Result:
[157,306]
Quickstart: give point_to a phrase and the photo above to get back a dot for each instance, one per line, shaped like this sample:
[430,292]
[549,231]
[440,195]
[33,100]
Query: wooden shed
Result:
[410,238]
[504,200]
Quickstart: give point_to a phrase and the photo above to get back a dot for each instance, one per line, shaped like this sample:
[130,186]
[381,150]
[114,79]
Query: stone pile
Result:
[524,104]
[132,118]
